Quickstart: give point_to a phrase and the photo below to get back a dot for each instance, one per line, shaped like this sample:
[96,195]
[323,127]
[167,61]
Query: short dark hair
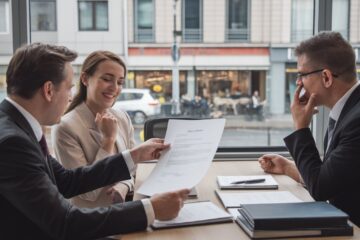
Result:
[32,65]
[330,50]
[89,67]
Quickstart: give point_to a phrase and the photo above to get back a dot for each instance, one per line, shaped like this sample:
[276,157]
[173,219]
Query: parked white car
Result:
[139,103]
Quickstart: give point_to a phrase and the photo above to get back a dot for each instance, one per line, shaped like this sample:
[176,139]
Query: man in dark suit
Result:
[34,186]
[327,72]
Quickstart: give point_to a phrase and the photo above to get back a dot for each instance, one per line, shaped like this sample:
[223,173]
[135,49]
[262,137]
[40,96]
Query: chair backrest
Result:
[156,128]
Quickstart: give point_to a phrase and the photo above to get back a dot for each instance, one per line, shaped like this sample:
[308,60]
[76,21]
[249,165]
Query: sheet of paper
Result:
[237,199]
[195,212]
[193,146]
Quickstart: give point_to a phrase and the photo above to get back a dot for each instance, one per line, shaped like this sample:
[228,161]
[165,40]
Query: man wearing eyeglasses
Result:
[326,77]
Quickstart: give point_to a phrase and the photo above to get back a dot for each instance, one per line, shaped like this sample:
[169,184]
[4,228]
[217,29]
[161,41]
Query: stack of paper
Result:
[236,200]
[195,213]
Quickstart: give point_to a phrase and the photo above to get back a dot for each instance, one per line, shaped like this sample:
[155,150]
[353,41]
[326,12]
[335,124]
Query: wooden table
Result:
[206,191]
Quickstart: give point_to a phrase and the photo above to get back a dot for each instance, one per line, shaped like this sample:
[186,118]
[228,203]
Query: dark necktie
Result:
[43,146]
[331,128]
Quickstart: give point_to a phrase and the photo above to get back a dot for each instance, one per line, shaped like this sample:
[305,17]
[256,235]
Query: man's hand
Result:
[148,150]
[167,205]
[274,163]
[277,164]
[302,109]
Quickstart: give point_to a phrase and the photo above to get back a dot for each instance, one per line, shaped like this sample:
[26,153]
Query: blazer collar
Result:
[87,117]
[350,103]
[17,117]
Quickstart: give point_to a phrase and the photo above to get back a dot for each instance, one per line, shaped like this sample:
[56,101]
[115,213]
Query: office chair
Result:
[156,128]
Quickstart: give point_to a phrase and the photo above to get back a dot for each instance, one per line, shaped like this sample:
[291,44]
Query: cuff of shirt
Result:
[149,211]
[129,161]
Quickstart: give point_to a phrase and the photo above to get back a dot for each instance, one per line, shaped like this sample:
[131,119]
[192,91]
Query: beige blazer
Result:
[77,142]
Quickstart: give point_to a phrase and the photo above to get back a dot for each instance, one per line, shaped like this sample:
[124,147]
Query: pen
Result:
[258,180]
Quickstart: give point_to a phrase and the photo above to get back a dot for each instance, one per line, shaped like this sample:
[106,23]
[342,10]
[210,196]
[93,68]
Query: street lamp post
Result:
[175,54]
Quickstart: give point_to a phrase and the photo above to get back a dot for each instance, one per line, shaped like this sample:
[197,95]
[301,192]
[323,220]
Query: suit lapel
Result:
[21,121]
[18,118]
[88,120]
[350,103]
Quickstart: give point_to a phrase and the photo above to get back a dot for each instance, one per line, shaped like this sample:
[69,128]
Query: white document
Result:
[195,213]
[193,146]
[228,182]
[236,200]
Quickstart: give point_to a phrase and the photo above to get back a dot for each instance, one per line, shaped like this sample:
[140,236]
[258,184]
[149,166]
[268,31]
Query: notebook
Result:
[293,215]
[307,232]
[196,213]
[229,182]
[236,200]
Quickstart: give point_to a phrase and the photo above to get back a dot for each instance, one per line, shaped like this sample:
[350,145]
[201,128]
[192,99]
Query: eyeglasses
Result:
[301,75]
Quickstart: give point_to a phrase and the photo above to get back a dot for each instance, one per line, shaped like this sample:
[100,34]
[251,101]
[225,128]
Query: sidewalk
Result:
[275,121]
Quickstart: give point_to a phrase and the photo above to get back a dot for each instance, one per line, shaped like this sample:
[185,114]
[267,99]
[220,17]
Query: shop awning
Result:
[200,62]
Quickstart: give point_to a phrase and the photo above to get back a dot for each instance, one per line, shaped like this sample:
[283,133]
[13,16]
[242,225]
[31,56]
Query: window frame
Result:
[55,15]
[227,29]
[201,24]
[138,39]
[93,16]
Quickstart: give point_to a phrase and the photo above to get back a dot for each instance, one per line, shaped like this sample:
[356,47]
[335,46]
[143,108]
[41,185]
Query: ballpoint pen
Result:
[258,180]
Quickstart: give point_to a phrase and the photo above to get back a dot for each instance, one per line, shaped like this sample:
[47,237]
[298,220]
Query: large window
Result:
[302,19]
[4,16]
[192,21]
[93,15]
[238,12]
[43,15]
[144,21]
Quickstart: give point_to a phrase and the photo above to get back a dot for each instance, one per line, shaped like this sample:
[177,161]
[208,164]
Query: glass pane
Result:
[237,20]
[145,14]
[4,17]
[86,15]
[6,46]
[43,16]
[102,16]
[192,14]
[302,19]
[340,23]
[238,14]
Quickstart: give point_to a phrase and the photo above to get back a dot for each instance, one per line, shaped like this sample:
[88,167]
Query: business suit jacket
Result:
[337,177]
[33,190]
[77,142]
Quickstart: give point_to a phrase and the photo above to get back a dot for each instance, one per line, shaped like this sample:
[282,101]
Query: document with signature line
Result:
[193,146]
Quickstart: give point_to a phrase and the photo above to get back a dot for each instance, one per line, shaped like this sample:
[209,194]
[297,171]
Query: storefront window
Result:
[160,83]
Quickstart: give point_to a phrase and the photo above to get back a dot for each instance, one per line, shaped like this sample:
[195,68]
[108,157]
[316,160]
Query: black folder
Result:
[296,232]
[293,215]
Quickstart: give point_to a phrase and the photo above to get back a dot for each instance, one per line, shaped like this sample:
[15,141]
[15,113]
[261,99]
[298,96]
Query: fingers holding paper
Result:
[149,150]
[168,205]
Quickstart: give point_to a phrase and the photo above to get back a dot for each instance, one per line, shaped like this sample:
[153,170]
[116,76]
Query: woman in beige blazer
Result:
[90,130]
